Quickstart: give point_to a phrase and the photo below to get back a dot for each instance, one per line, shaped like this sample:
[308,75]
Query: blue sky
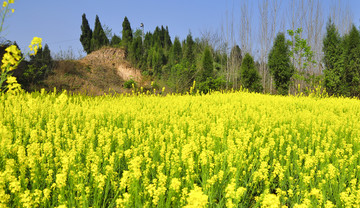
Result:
[58,22]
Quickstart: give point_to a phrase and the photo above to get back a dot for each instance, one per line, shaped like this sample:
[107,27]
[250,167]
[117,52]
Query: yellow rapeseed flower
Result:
[153,149]
[175,184]
[13,86]
[35,45]
[15,186]
[11,58]
[271,201]
[196,198]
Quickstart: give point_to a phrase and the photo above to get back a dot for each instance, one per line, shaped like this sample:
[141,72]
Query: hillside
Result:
[94,74]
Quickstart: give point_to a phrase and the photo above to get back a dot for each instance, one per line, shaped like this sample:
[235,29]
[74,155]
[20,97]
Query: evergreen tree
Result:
[127,35]
[39,66]
[332,57]
[207,65]
[250,77]
[167,39]
[189,52]
[145,62]
[176,52]
[47,59]
[148,41]
[352,62]
[86,35]
[162,36]
[157,37]
[280,65]
[136,50]
[157,61]
[115,40]
[99,38]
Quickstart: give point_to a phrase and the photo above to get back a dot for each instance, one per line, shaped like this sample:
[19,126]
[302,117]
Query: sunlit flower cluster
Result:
[5,6]
[35,45]
[221,150]
[10,59]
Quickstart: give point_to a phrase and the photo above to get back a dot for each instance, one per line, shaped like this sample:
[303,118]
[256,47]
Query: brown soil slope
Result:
[100,72]
[113,58]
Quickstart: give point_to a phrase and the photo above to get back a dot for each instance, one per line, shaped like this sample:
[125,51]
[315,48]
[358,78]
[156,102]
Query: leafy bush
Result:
[130,84]
[212,84]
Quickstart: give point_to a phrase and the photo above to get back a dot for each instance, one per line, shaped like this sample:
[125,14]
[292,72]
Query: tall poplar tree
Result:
[86,35]
[280,65]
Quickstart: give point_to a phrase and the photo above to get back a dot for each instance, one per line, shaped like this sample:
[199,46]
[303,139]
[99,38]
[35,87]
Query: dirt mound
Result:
[112,58]
[95,74]
[106,57]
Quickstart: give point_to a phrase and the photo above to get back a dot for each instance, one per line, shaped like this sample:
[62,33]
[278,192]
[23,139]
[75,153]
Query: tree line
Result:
[342,61]
[179,63]
[287,61]
[174,62]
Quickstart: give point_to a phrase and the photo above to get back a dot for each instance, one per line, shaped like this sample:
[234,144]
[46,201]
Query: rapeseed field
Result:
[221,150]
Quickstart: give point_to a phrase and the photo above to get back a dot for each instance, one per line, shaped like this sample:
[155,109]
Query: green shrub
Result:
[130,84]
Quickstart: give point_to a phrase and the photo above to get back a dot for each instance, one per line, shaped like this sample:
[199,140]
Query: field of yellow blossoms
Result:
[221,150]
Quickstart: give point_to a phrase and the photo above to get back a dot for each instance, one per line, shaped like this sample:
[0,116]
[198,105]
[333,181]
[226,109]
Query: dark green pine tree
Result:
[250,77]
[148,41]
[352,62]
[176,52]
[167,39]
[157,61]
[47,60]
[115,41]
[333,75]
[189,51]
[162,36]
[145,59]
[280,65]
[39,66]
[207,65]
[86,35]
[157,37]
[99,38]
[136,51]
[127,34]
